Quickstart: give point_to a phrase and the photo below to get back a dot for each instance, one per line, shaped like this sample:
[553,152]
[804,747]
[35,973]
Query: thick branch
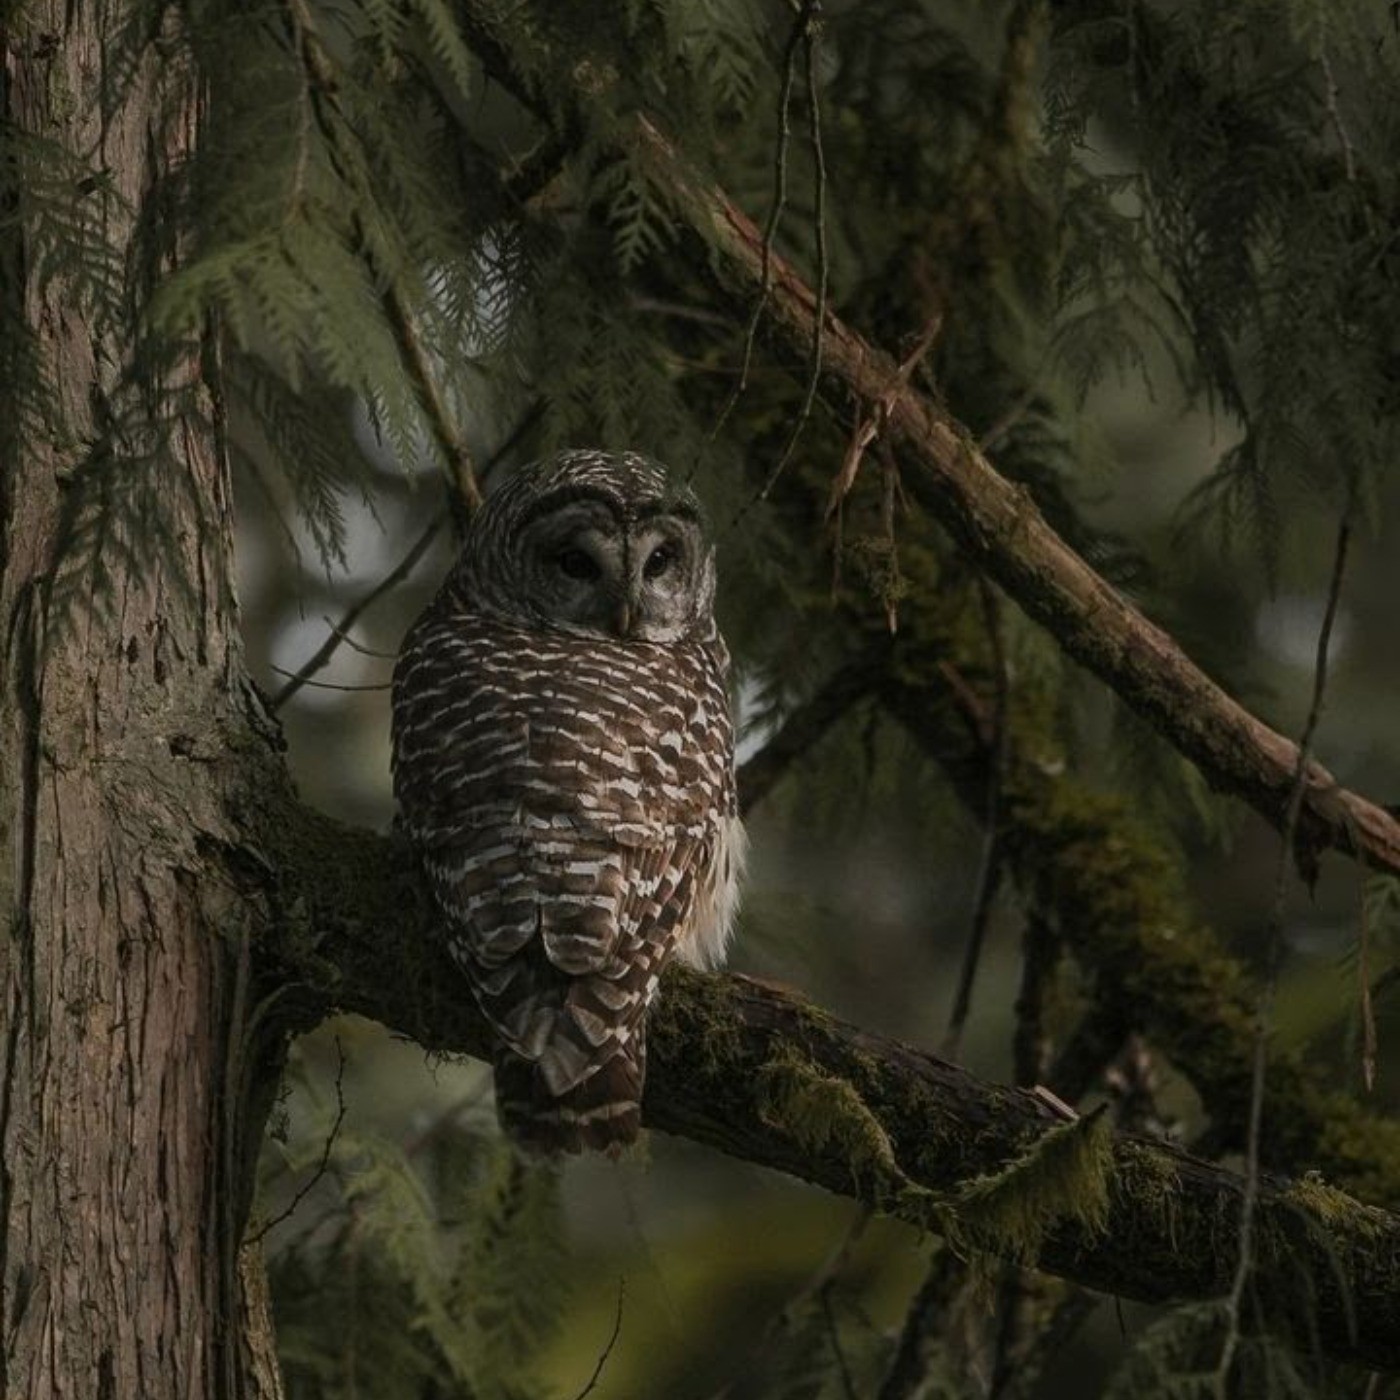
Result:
[367,943]
[996,521]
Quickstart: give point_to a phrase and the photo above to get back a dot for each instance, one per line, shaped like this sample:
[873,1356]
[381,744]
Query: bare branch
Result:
[996,521]
[456,455]
[611,1342]
[989,865]
[340,632]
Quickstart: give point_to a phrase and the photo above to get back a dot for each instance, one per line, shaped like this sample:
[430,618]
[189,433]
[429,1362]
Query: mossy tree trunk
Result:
[122,1175]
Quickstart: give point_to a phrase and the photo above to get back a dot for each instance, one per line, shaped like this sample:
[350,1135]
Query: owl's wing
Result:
[565,804]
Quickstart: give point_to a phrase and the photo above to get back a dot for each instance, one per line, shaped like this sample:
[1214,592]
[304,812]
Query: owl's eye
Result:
[659,560]
[577,564]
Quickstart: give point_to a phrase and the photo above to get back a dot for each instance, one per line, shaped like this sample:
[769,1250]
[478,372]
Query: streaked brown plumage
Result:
[563,759]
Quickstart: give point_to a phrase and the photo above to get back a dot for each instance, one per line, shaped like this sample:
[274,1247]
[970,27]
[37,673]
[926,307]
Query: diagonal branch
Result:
[805,725]
[897,1128]
[995,520]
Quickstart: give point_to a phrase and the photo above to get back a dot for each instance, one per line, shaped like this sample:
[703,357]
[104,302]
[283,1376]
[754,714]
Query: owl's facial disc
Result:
[664,563]
[642,577]
[575,558]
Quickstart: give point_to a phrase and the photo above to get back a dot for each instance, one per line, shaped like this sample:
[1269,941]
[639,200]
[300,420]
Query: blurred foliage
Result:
[438,1257]
[1158,243]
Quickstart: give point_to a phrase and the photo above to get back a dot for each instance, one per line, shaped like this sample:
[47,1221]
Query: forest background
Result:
[1137,260]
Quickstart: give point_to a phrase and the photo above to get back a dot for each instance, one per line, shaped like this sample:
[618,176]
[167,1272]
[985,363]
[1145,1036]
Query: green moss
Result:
[1063,1175]
[693,1007]
[1333,1210]
[820,1111]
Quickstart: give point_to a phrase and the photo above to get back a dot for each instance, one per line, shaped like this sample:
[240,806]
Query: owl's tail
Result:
[602,1113]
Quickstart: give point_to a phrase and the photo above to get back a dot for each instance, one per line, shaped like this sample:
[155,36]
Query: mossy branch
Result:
[996,521]
[734,1064]
[1119,906]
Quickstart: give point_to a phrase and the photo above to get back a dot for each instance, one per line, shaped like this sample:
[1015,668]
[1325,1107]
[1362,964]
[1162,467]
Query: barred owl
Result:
[564,763]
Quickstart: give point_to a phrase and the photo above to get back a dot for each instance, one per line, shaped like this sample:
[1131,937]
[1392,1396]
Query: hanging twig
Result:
[873,424]
[612,1341]
[309,1185]
[811,33]
[1040,956]
[989,870]
[1369,1046]
[775,215]
[340,631]
[1334,110]
[1273,950]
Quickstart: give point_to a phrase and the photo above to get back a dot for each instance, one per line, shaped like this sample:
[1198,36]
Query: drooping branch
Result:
[996,521]
[765,1076]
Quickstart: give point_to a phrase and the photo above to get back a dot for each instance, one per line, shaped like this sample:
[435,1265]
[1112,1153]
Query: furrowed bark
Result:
[128,1116]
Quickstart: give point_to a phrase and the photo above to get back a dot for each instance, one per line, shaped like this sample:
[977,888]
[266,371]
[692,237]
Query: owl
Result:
[564,764]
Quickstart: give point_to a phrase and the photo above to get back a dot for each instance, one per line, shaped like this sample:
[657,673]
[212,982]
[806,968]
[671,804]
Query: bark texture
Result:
[123,965]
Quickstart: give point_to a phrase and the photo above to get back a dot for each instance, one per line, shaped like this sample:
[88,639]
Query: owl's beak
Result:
[622,619]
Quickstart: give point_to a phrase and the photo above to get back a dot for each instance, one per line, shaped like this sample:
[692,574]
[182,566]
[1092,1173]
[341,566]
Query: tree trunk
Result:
[123,1122]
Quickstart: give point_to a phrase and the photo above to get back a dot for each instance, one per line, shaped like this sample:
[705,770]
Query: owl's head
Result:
[592,542]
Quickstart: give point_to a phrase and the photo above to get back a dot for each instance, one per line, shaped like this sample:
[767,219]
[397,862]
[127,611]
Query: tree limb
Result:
[804,726]
[995,520]
[357,932]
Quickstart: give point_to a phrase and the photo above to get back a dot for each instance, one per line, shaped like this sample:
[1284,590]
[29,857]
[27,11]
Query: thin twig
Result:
[834,1337]
[917,1338]
[340,631]
[457,456]
[1040,957]
[309,1185]
[612,1340]
[1272,958]
[811,43]
[775,214]
[1334,110]
[891,497]
[873,424]
[989,870]
[830,1269]
[1050,1339]
[357,647]
[326,685]
[1369,1045]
